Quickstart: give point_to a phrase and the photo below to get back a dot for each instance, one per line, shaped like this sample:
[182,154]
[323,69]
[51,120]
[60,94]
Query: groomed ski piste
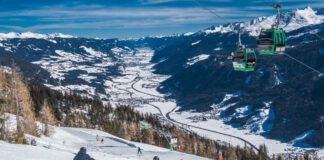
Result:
[64,143]
[139,88]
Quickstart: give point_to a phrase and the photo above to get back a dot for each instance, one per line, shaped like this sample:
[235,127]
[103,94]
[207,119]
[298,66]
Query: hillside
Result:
[65,143]
[39,109]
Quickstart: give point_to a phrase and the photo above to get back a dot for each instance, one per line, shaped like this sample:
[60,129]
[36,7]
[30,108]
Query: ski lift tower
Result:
[278,7]
[171,141]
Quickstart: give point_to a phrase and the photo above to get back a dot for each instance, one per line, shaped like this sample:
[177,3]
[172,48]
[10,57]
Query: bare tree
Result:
[5,100]
[47,117]
[24,105]
[2,102]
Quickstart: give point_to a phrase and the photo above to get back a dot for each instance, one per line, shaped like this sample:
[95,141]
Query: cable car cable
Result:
[315,70]
[211,11]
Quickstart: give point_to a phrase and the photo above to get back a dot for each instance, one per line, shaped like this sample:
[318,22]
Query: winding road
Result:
[179,124]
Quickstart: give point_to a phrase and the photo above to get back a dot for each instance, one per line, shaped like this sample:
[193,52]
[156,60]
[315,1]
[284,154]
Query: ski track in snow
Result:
[64,143]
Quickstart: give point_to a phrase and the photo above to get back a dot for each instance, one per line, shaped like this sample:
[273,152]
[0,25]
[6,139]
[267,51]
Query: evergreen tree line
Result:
[37,102]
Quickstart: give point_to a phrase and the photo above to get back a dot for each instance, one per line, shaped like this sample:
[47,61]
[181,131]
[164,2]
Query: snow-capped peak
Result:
[302,17]
[289,21]
[26,35]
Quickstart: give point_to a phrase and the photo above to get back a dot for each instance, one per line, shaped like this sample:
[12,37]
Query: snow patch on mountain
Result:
[69,56]
[118,51]
[87,78]
[193,60]
[314,31]
[261,122]
[276,72]
[194,43]
[242,112]
[92,52]
[218,49]
[53,41]
[302,136]
[9,49]
[227,96]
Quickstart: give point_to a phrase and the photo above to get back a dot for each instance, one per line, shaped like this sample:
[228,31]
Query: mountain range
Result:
[282,99]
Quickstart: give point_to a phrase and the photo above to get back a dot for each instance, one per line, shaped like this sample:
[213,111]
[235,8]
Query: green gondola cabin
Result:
[272,41]
[244,59]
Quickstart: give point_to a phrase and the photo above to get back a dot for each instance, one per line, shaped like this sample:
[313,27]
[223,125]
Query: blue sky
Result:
[130,18]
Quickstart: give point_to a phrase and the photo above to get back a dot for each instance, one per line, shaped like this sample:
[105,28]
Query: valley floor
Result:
[138,88]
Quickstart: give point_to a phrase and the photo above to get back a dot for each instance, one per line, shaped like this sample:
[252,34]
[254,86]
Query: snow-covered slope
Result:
[65,143]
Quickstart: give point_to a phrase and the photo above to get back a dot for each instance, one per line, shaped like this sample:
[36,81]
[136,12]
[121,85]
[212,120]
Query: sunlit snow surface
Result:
[64,144]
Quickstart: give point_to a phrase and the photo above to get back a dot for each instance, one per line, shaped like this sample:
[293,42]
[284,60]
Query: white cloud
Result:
[61,17]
